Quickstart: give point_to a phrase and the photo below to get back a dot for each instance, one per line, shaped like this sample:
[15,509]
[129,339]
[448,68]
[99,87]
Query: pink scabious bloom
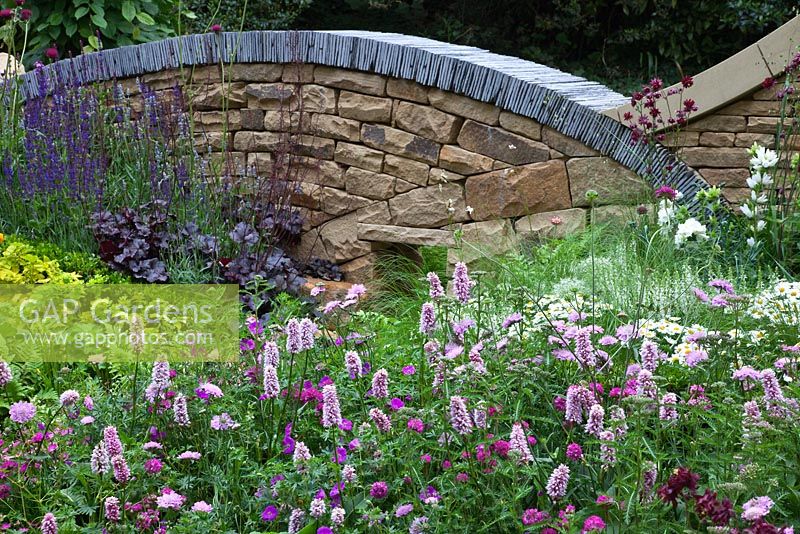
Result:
[436,290]
[87,420]
[649,356]
[595,421]
[88,403]
[593,523]
[533,516]
[317,508]
[301,454]
[111,505]
[331,411]
[318,290]
[307,331]
[574,452]
[189,455]
[427,319]
[153,466]
[6,375]
[296,520]
[379,490]
[695,357]
[180,410]
[330,307]
[512,319]
[270,355]
[416,425]
[353,364]
[49,524]
[112,441]
[202,507]
[152,445]
[170,500]
[100,462]
[208,390]
[21,412]
[608,454]
[519,444]
[756,508]
[380,419]
[722,285]
[462,285]
[294,336]
[403,510]
[459,415]
[272,387]
[224,421]
[701,295]
[557,483]
[667,410]
[380,384]
[356,291]
[69,397]
[122,472]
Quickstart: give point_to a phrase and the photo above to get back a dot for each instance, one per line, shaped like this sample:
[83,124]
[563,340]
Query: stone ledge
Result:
[404,235]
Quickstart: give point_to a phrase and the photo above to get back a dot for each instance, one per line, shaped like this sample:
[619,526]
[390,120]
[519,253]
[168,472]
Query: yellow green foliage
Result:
[19,264]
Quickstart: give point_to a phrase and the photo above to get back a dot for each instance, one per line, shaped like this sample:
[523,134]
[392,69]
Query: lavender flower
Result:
[380,384]
[337,516]
[159,382]
[180,410]
[462,285]
[518,443]
[331,412]
[773,395]
[557,483]
[436,290]
[459,415]
[349,474]
[584,351]
[578,399]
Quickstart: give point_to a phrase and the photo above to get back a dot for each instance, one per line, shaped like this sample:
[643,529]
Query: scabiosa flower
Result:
[459,415]
[307,331]
[112,441]
[69,397]
[756,508]
[296,520]
[380,419]
[318,508]
[49,524]
[574,452]
[558,481]
[112,509]
[380,384]
[122,472]
[203,507]
[436,290]
[512,319]
[427,319]
[153,466]
[353,364]
[301,454]
[462,285]
[518,444]
[271,386]
[100,462]
[223,421]
[331,412]
[21,412]
[180,410]
[593,523]
[189,455]
[294,337]
[170,500]
[88,403]
[379,490]
[667,411]
[270,513]
[6,375]
[595,421]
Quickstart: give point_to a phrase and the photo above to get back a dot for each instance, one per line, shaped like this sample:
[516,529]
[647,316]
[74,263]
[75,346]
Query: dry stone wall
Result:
[389,161]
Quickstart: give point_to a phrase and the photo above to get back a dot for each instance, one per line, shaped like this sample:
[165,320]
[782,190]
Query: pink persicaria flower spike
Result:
[645,385]
[427,319]
[6,375]
[518,443]
[557,483]
[459,415]
[301,454]
[649,356]
[270,354]
[296,520]
[349,474]
[331,411]
[618,421]
[112,441]
[596,420]
[318,508]
[608,454]
[667,410]
[307,331]
[462,285]
[578,399]
[773,395]
[353,364]
[112,509]
[380,419]
[380,384]
[100,461]
[122,472]
[180,410]
[294,336]
[649,475]
[436,290]
[271,386]
[49,524]
[584,351]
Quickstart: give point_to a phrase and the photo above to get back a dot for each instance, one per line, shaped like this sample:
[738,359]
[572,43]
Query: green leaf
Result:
[99,21]
[81,11]
[145,19]
[55,18]
[128,10]
[94,42]
[70,27]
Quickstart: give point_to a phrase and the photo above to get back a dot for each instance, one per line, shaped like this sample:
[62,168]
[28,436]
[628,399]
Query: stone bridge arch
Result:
[411,138]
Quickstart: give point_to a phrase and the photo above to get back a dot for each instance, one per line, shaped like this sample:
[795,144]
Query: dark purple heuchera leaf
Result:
[244,234]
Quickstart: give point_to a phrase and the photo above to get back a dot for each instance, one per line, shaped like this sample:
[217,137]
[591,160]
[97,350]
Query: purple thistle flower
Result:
[459,415]
[419,525]
[462,285]
[557,483]
[436,290]
[722,285]
[331,412]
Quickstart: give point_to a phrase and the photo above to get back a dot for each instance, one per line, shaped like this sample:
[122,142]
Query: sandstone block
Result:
[762,108]
[371,84]
[362,270]
[484,239]
[270,96]
[462,161]
[407,236]
[406,90]
[376,213]
[369,184]
[518,191]
[427,122]
[746,140]
[714,157]
[429,207]
[438,175]
[409,170]
[298,73]
[521,125]
[718,123]
[615,214]
[213,96]
[726,177]
[216,141]
[677,139]
[365,108]
[339,239]
[464,106]
[328,199]
[564,144]
[257,141]
[614,183]
[252,119]
[714,139]
[255,72]
[400,143]
[261,162]
[318,99]
[551,224]
[213,121]
[335,127]
[500,144]
[358,156]
[287,121]
[765,124]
